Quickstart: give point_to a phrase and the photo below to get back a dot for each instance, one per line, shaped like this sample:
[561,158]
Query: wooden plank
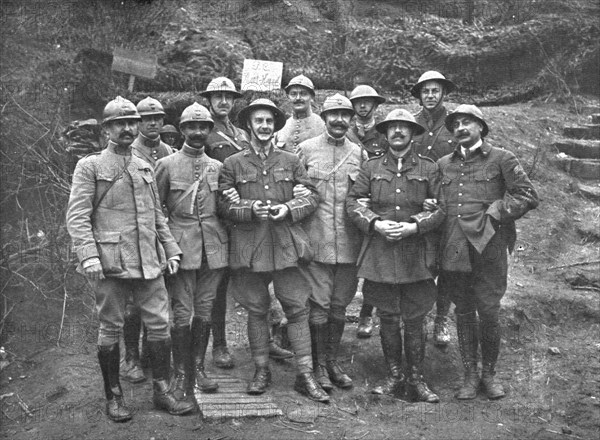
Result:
[135,63]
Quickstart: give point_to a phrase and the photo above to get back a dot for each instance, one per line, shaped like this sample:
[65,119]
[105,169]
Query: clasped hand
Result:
[395,231]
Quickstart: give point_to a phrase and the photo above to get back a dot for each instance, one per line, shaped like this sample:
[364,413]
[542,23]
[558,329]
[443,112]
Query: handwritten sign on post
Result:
[261,76]
[135,64]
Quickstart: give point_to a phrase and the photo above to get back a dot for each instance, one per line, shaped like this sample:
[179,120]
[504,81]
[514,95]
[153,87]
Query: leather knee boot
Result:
[132,369]
[109,358]
[160,356]
[467,329]
[182,385]
[200,334]
[391,344]
[334,339]
[414,346]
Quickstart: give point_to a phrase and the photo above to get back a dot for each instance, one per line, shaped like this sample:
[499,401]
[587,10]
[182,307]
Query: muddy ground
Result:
[549,361]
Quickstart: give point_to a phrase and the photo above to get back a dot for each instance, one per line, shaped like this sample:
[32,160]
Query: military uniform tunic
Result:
[220,148]
[437,141]
[374,143]
[297,130]
[150,149]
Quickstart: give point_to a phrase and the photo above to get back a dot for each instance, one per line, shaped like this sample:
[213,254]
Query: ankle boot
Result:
[414,346]
[467,329]
[307,384]
[490,348]
[132,369]
[160,356]
[318,340]
[200,335]
[181,337]
[109,358]
[391,344]
[334,338]
[261,380]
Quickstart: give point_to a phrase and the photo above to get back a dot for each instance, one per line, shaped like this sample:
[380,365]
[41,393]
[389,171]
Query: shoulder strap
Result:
[192,188]
[110,185]
[334,170]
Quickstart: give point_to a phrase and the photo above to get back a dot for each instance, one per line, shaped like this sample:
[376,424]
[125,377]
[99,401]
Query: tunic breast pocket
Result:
[489,183]
[417,188]
[183,206]
[284,179]
[381,188]
[246,184]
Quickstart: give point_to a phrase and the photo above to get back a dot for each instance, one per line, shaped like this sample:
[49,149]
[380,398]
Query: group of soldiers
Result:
[293,212]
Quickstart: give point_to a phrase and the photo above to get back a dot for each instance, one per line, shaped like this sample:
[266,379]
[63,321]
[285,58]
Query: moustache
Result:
[197,137]
[339,125]
[126,133]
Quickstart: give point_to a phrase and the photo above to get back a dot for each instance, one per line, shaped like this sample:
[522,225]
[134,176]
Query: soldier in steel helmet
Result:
[170,136]
[223,140]
[483,190]
[303,124]
[332,162]
[123,244]
[396,260]
[187,184]
[149,147]
[365,101]
[431,90]
[268,244]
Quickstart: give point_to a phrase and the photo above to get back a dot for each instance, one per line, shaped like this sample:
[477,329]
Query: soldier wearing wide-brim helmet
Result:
[123,245]
[484,190]
[303,124]
[401,288]
[170,136]
[333,162]
[431,90]
[224,140]
[264,224]
[187,185]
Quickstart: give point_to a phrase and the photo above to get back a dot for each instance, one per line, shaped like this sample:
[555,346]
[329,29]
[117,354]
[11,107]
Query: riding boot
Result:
[318,340]
[490,348]
[200,335]
[468,344]
[181,338]
[391,344]
[334,338]
[414,346]
[160,357]
[108,357]
[441,333]
[132,369]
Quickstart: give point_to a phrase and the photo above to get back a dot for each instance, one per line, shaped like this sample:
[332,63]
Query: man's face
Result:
[195,133]
[364,107]
[301,98]
[399,135]
[432,94]
[151,125]
[221,103]
[122,131]
[467,130]
[262,125]
[337,122]
[169,138]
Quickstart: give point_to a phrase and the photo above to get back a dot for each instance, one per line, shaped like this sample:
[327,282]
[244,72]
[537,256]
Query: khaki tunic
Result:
[297,130]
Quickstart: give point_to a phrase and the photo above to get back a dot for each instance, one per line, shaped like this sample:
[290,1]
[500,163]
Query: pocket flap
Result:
[418,177]
[107,236]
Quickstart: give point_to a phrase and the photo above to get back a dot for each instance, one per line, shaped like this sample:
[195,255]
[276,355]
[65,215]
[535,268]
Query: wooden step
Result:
[587,131]
[585,169]
[581,149]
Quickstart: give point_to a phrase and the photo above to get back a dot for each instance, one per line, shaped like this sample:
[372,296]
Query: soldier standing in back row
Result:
[303,124]
[223,140]
[365,101]
[123,244]
[435,142]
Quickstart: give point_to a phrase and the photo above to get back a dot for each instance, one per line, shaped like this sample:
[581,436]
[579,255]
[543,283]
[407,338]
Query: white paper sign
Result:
[262,76]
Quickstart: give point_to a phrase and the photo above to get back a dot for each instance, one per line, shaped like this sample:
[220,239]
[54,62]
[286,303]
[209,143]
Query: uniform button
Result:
[268,202]
[429,147]
[430,133]
[460,194]
[397,190]
[244,181]
[398,175]
[460,204]
[460,184]
[265,173]
[462,174]
[397,208]
[461,164]
[266,186]
[458,215]
[220,146]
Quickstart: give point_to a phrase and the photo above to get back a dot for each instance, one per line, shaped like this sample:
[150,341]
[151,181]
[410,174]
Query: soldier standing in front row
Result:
[435,142]
[187,184]
[483,190]
[123,243]
[395,258]
[332,162]
[267,243]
